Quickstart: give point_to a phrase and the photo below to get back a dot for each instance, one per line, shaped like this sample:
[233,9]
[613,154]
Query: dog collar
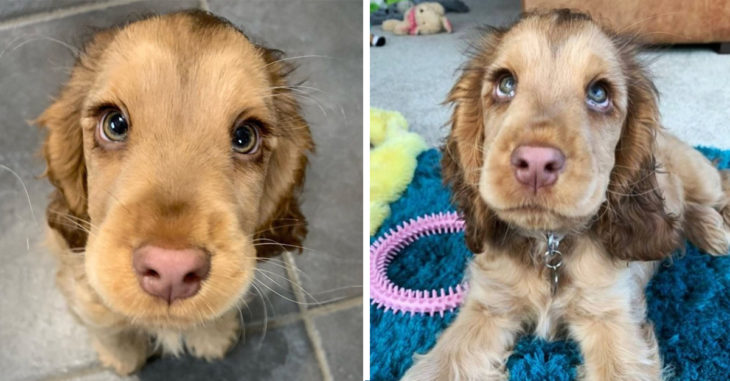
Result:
[553,259]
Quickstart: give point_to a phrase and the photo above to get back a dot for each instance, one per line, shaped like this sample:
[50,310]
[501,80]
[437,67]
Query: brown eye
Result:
[246,137]
[114,126]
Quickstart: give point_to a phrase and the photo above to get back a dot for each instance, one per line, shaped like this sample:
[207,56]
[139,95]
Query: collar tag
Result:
[553,259]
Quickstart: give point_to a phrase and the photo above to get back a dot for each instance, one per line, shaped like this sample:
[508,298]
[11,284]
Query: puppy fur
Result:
[627,197]
[183,80]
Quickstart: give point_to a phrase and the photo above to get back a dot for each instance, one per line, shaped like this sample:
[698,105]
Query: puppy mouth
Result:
[535,217]
[530,208]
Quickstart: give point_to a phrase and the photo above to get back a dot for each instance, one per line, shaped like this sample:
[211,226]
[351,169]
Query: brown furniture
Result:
[657,21]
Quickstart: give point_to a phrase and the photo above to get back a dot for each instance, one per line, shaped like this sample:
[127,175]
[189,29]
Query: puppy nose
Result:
[537,166]
[170,274]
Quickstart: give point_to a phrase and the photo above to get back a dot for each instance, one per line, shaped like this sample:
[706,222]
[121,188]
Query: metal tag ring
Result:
[553,259]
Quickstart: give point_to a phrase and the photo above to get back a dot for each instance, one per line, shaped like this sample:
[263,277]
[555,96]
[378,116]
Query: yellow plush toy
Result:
[392,161]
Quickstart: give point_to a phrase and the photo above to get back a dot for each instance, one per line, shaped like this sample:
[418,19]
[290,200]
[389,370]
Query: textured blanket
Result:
[688,299]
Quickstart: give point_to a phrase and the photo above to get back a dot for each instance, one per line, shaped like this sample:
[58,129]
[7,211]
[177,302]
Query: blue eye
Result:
[597,96]
[245,138]
[114,126]
[506,87]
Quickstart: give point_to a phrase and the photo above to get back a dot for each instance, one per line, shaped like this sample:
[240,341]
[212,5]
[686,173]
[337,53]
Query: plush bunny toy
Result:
[424,18]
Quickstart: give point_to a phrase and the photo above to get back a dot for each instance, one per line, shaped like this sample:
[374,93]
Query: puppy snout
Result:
[170,274]
[537,166]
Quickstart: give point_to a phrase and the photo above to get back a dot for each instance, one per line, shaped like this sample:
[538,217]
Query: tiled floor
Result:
[308,325]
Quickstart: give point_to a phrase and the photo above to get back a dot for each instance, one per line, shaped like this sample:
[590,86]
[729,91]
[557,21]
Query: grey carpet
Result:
[412,74]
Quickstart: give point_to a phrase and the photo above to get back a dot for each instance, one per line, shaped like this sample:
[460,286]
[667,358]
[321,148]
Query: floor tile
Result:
[95,375]
[16,8]
[283,353]
[341,334]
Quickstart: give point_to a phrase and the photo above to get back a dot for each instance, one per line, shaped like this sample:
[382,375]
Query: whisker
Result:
[298,57]
[25,189]
[34,38]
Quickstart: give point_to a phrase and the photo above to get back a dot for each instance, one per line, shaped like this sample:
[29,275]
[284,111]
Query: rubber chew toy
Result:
[386,294]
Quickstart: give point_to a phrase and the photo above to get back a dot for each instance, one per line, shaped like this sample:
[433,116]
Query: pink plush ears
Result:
[446,24]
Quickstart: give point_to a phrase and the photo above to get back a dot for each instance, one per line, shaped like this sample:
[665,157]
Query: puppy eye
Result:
[114,126]
[506,87]
[597,97]
[246,137]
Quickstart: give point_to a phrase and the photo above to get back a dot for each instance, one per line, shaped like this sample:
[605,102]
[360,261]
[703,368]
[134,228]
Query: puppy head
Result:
[553,130]
[175,137]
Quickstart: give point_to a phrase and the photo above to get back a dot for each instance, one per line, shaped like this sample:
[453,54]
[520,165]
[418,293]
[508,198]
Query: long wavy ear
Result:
[633,223]
[282,226]
[63,148]
[462,154]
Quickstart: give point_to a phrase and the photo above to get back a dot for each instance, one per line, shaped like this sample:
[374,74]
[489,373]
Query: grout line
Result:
[282,320]
[75,372]
[204,5]
[334,307]
[312,332]
[44,16]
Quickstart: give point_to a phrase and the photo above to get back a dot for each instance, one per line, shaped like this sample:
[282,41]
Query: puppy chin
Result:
[540,220]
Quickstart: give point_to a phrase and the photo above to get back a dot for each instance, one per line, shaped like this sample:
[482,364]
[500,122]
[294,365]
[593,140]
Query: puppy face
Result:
[540,91]
[191,149]
[553,130]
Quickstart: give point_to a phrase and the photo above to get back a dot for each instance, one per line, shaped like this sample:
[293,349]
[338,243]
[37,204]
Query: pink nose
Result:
[170,274]
[537,166]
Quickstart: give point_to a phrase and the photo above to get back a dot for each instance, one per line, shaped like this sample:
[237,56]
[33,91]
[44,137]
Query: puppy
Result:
[177,152]
[571,193]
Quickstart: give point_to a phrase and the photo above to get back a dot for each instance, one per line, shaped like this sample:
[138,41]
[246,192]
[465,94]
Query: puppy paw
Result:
[706,228]
[428,368]
[725,211]
[125,353]
[212,341]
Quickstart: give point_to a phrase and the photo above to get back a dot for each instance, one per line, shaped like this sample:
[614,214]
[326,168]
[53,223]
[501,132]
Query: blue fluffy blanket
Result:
[688,300]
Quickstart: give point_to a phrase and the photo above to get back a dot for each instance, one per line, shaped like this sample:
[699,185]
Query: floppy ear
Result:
[462,154]
[633,224]
[63,149]
[282,226]
[446,24]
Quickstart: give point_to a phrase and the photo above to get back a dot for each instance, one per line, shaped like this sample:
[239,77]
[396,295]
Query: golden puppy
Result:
[570,190]
[177,152]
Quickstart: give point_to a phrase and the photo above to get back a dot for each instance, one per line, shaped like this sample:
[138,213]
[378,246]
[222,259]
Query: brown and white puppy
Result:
[177,151]
[555,129]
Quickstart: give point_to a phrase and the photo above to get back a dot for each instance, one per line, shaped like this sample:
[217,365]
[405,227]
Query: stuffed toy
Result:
[392,161]
[424,18]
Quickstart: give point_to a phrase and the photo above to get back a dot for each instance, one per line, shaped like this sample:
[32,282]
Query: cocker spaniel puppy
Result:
[177,151]
[571,192]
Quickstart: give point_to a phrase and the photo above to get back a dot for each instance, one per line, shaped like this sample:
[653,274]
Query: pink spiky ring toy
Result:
[386,294]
